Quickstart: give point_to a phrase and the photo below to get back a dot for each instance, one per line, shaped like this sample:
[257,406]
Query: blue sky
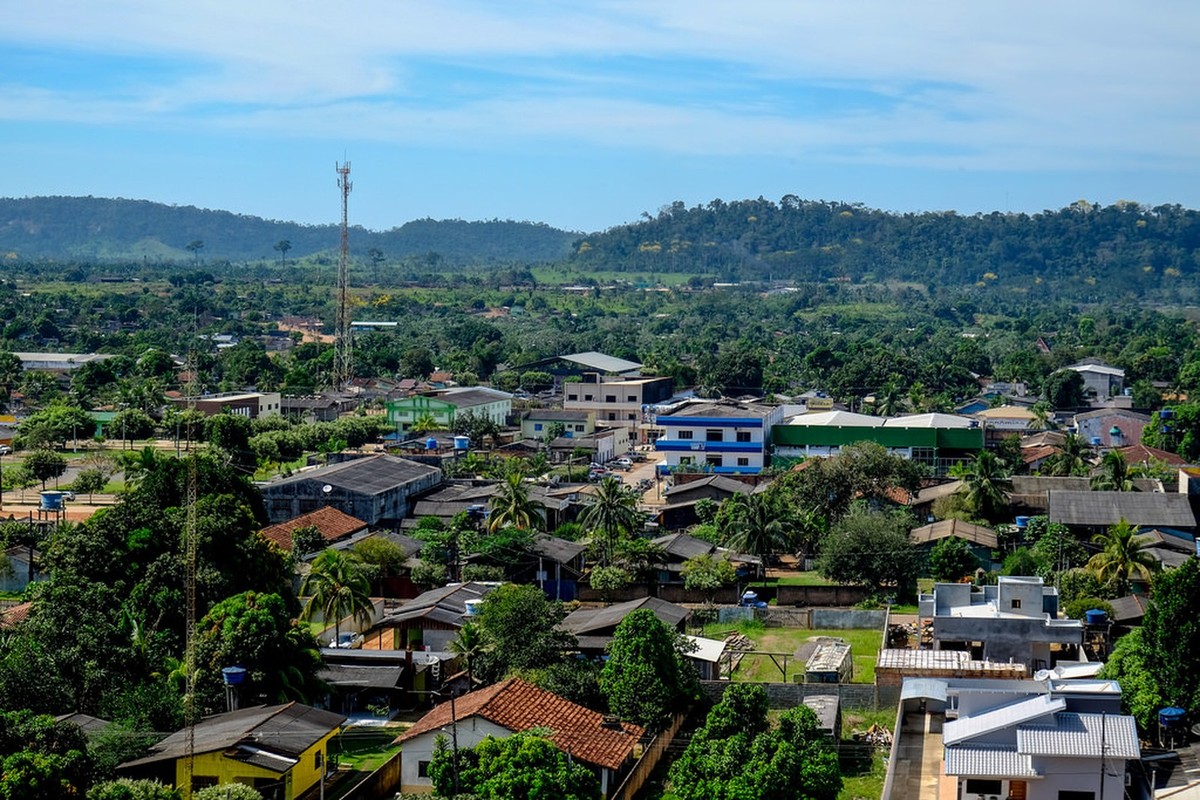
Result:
[585,114]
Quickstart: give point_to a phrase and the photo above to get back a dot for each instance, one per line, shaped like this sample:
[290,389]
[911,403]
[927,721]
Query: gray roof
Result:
[1081,735]
[597,620]
[287,730]
[683,546]
[556,415]
[989,761]
[446,605]
[1109,508]
[955,528]
[362,676]
[1024,710]
[370,475]
[1129,608]
[555,549]
[602,362]
[472,397]
[86,722]
[720,482]
[715,408]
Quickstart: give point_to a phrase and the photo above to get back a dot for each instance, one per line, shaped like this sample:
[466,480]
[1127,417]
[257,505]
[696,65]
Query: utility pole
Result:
[342,354]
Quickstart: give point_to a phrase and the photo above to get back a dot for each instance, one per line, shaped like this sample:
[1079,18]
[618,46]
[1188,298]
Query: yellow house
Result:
[279,750]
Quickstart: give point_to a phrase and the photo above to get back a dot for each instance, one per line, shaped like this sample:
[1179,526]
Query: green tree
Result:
[756,527]
[707,573]
[521,628]
[985,483]
[45,464]
[872,549]
[131,424]
[523,766]
[41,759]
[127,789]
[89,481]
[229,791]
[472,644]
[611,514]
[337,587]
[1071,459]
[305,540]
[608,580]
[647,677]
[1064,389]
[1132,664]
[952,559]
[282,247]
[1123,555]
[1113,475]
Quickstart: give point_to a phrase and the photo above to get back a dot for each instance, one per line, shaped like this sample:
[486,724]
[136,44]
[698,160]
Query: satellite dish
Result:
[327,488]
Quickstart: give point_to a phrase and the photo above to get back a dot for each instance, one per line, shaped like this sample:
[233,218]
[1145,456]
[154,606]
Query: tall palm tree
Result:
[890,400]
[1123,555]
[1114,474]
[1042,421]
[986,480]
[512,505]
[757,528]
[426,423]
[612,512]
[337,587]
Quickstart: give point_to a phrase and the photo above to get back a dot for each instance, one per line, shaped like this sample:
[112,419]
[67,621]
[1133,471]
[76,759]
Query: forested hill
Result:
[1122,250]
[99,229]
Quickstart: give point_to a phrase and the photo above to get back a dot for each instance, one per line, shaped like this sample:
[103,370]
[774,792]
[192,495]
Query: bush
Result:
[1077,608]
[228,791]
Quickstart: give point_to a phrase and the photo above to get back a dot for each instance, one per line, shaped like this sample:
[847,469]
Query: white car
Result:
[624,463]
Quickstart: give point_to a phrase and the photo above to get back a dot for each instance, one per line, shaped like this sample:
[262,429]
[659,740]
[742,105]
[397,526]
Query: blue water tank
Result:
[1097,441]
[1095,616]
[462,442]
[52,500]
[431,443]
[1022,522]
[1172,716]
[233,676]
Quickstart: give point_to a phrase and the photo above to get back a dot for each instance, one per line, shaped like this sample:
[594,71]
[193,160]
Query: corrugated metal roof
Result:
[955,528]
[369,475]
[924,689]
[602,362]
[597,620]
[1108,508]
[1081,735]
[1006,716]
[983,761]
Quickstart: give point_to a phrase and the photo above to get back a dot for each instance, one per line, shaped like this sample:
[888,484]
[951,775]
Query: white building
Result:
[720,436]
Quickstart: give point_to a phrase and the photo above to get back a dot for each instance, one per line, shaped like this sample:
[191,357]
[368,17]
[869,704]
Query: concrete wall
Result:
[820,595]
[842,618]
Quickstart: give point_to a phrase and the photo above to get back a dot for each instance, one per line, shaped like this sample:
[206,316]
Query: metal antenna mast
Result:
[342,354]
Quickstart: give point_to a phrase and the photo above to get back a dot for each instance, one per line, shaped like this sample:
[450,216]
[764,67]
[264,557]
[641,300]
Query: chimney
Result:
[611,722]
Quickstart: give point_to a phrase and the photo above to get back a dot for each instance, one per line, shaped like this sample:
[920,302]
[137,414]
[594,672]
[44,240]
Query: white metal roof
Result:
[1081,735]
[1006,716]
[602,362]
[989,761]
[928,421]
[709,650]
[845,419]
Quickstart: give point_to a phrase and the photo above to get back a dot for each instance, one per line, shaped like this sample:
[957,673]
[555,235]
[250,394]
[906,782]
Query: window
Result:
[537,426]
[1075,794]
[579,429]
[743,436]
[979,786]
[685,459]
[631,398]
[572,397]
[713,460]
[685,434]
[714,435]
[202,782]
[612,416]
[1016,604]
[631,416]
[422,769]
[743,462]
[610,398]
[587,397]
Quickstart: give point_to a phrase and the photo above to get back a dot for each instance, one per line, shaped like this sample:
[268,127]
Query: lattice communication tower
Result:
[343,355]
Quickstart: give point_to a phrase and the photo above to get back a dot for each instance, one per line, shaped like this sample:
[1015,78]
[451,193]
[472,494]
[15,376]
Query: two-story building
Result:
[537,423]
[446,406]
[717,436]
[1014,620]
[242,404]
[617,400]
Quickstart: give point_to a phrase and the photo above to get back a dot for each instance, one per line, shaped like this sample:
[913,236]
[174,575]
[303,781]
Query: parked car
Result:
[634,455]
[624,463]
[5,449]
[347,640]
[67,494]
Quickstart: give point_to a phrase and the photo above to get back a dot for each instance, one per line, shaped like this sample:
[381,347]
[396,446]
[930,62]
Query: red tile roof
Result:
[15,615]
[1138,453]
[519,706]
[332,524]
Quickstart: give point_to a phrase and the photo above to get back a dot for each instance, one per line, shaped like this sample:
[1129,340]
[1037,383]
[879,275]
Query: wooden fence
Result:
[383,782]
[653,753]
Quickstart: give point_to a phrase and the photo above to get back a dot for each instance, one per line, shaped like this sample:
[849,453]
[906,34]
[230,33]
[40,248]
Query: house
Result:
[537,423]
[594,627]
[677,548]
[446,406]
[92,727]
[332,524]
[1146,456]
[1015,620]
[432,619]
[242,404]
[1094,512]
[1111,427]
[58,363]
[604,744]
[601,445]
[377,489]
[1030,494]
[618,400]
[937,440]
[311,408]
[1003,421]
[576,364]
[1038,740]
[475,497]
[982,540]
[13,615]
[279,750]
[718,488]
[722,436]
[1100,381]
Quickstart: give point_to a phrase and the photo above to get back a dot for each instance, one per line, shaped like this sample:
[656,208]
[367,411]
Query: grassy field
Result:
[864,644]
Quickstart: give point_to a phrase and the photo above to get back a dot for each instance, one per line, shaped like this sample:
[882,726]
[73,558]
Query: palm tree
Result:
[1072,458]
[512,505]
[986,481]
[757,528]
[471,644]
[1123,555]
[426,423]
[1042,421]
[1114,474]
[613,511]
[337,587]
[890,400]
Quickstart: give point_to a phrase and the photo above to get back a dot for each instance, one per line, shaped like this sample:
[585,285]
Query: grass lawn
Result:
[364,749]
[864,644]
[810,578]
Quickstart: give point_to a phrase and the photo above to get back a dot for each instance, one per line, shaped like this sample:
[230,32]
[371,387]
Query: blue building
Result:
[722,436]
